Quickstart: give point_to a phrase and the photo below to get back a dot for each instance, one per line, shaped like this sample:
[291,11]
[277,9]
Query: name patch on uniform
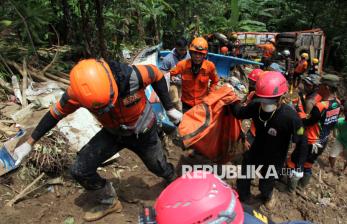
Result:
[272,132]
[131,100]
[332,116]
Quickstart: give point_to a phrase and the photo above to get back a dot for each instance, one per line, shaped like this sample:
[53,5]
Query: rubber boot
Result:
[108,203]
[305,180]
[292,184]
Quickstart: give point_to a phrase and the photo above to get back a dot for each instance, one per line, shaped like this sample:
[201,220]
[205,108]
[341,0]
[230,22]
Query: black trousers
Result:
[104,145]
[266,185]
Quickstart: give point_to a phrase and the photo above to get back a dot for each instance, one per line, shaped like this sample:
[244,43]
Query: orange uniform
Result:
[195,87]
[268,49]
[301,67]
[315,98]
[127,108]
[319,132]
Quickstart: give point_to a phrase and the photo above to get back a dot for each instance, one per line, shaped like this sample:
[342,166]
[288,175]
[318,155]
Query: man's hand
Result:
[316,147]
[175,115]
[21,152]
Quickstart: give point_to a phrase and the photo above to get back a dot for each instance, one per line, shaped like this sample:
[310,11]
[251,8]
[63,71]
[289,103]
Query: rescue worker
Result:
[308,95]
[177,54]
[318,124]
[196,74]
[276,125]
[114,94]
[340,144]
[252,79]
[201,197]
[314,67]
[224,50]
[300,69]
[268,50]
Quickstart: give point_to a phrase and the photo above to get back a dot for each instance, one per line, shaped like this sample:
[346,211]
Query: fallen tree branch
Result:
[6,65]
[56,78]
[11,188]
[26,27]
[34,74]
[56,53]
[6,86]
[24,83]
[54,182]
[23,193]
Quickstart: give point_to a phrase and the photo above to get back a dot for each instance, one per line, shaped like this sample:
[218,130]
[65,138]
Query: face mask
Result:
[268,107]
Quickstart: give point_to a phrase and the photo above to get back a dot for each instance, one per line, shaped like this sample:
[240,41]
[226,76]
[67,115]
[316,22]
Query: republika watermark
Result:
[234,171]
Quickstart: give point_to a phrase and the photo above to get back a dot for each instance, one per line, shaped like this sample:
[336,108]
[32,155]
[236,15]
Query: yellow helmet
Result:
[304,55]
[315,60]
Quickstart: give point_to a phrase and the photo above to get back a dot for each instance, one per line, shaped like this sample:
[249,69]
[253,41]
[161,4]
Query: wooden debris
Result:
[24,192]
[24,84]
[6,86]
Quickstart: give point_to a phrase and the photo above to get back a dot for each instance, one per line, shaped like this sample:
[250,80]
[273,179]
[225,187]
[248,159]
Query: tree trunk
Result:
[85,28]
[100,25]
[139,24]
[157,32]
[67,21]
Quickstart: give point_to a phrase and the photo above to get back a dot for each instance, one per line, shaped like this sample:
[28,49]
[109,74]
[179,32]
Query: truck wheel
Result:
[286,35]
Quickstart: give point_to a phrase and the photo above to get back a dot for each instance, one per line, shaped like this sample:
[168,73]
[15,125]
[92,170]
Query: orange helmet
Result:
[93,85]
[224,50]
[199,44]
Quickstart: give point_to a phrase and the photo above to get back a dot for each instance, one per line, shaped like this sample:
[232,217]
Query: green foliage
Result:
[133,22]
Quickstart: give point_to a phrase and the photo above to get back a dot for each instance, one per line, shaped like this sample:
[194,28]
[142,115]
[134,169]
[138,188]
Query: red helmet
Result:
[199,197]
[224,50]
[254,74]
[271,84]
[93,84]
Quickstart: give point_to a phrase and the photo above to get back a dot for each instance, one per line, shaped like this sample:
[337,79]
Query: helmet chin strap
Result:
[110,105]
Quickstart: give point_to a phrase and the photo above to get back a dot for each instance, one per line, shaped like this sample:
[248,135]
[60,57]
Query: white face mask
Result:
[268,107]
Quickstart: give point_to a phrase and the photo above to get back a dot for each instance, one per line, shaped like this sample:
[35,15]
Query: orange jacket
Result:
[300,107]
[320,131]
[194,88]
[127,108]
[268,49]
[301,67]
[208,129]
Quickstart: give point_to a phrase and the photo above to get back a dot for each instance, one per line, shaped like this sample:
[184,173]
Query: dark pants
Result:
[265,185]
[296,79]
[104,145]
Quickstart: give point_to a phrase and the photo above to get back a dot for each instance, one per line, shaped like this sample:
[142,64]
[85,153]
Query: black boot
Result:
[305,180]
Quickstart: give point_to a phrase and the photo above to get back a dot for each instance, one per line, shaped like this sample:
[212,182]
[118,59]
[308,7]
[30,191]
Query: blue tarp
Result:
[223,63]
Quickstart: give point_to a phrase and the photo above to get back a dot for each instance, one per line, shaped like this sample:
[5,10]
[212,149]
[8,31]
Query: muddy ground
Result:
[324,201]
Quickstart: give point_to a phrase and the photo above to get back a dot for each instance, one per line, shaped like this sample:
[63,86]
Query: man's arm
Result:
[313,117]
[156,78]
[301,148]
[178,69]
[62,108]
[65,106]
[166,65]
[244,112]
